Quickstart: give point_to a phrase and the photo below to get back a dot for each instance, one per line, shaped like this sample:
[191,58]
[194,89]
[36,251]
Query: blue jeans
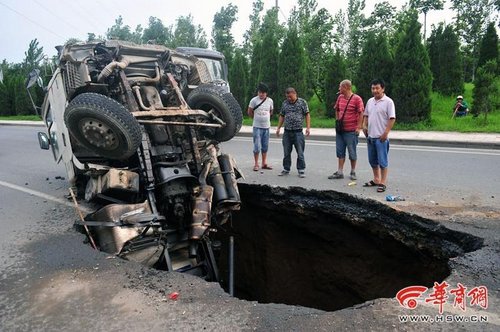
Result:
[260,140]
[294,139]
[347,140]
[378,152]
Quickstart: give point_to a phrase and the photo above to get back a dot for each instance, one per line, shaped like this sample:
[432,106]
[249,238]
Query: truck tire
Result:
[207,97]
[103,126]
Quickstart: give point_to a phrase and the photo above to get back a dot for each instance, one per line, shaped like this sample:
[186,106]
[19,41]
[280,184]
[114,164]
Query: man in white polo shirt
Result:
[379,118]
[260,109]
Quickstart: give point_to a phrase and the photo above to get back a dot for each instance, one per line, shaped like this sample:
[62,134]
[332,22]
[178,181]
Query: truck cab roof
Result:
[201,52]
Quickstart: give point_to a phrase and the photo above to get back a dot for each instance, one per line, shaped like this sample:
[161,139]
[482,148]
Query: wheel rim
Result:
[98,134]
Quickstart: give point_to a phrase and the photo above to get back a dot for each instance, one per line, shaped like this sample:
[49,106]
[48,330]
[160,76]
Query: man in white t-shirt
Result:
[379,118]
[260,109]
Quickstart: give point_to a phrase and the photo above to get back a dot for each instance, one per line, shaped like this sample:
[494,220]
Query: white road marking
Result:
[41,195]
[419,148]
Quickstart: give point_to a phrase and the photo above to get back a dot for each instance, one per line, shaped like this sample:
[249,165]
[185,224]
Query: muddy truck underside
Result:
[138,128]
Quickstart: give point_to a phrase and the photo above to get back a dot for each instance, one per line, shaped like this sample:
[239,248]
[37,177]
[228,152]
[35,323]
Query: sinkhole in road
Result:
[330,250]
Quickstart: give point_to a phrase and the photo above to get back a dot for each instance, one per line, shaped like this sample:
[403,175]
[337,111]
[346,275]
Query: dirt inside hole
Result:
[330,250]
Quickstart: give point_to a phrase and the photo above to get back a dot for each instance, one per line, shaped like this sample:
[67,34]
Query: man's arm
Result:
[390,124]
[365,125]
[308,123]
[391,114]
[336,108]
[361,117]
[250,112]
[360,123]
[280,123]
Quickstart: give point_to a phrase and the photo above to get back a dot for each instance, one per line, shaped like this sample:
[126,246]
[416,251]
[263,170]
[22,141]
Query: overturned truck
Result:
[138,129]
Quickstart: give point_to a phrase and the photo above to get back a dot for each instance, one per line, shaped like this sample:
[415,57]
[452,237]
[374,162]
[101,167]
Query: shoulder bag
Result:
[339,123]
[262,102]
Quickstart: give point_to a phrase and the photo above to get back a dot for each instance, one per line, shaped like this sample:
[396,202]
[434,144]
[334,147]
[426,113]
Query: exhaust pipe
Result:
[215,178]
[227,170]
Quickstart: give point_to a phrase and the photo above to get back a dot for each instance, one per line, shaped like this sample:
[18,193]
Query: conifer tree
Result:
[255,67]
[238,78]
[445,61]
[488,49]
[269,65]
[270,31]
[484,89]
[412,77]
[292,63]
[335,72]
[314,28]
[375,62]
[21,102]
[6,97]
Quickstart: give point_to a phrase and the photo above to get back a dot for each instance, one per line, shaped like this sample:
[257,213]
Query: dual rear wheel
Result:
[107,128]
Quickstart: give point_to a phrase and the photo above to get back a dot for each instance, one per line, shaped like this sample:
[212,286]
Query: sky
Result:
[52,22]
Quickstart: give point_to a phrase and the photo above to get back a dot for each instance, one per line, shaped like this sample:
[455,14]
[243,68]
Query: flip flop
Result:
[256,168]
[266,167]
[381,188]
[370,184]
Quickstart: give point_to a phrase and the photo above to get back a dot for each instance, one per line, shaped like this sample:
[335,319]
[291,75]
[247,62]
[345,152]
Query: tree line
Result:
[314,50]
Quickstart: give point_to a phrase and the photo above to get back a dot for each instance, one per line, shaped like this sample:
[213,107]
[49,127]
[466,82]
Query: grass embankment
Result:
[442,111]
[21,118]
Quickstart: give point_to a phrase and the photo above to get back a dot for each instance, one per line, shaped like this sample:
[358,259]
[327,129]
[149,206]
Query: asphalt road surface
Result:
[51,280]
[433,175]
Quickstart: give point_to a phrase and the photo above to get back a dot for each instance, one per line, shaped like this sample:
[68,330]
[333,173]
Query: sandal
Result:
[266,167]
[381,188]
[370,184]
[256,168]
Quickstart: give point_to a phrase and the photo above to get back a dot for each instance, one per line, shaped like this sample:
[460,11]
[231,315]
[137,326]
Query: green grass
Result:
[442,111]
[21,118]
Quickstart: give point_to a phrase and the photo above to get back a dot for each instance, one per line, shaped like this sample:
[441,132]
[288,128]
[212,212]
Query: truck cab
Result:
[215,61]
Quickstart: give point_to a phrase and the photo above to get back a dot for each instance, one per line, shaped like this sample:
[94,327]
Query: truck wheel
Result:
[103,126]
[210,97]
